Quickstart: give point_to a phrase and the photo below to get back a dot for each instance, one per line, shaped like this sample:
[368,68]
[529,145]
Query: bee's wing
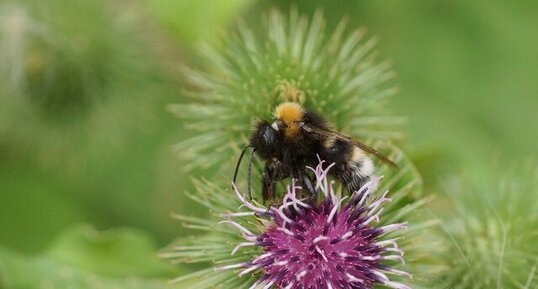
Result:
[361,145]
[375,152]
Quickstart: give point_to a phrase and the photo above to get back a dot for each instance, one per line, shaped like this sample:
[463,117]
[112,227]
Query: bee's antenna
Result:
[249,178]
[239,163]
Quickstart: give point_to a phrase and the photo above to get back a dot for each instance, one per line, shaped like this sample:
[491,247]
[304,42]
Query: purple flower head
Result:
[328,245]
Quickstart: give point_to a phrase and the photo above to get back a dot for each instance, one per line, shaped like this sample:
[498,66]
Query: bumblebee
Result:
[298,138]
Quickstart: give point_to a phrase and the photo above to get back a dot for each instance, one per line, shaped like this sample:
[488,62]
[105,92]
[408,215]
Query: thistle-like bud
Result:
[336,74]
[493,237]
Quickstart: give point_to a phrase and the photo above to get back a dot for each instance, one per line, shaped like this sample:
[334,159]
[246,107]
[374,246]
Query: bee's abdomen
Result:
[357,174]
[352,166]
[337,151]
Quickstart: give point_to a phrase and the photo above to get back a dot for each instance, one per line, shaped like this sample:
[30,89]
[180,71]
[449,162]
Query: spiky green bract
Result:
[214,248]
[494,238]
[337,74]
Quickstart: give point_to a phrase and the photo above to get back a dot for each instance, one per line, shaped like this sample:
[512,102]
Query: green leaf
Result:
[84,258]
[119,252]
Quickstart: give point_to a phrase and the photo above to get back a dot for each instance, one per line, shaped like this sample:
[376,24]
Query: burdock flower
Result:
[341,241]
[325,245]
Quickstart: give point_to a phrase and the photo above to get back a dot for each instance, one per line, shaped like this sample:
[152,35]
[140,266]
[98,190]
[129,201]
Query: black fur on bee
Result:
[298,138]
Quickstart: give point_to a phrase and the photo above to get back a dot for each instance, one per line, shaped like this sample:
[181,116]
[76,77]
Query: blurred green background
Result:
[87,178]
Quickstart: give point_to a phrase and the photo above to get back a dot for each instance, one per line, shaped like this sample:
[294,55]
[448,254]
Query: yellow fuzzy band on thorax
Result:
[289,112]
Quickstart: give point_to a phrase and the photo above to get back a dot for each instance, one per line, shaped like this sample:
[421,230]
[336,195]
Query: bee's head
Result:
[289,117]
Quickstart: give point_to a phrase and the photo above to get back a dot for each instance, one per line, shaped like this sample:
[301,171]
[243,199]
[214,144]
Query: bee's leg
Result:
[304,178]
[268,182]
[249,173]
